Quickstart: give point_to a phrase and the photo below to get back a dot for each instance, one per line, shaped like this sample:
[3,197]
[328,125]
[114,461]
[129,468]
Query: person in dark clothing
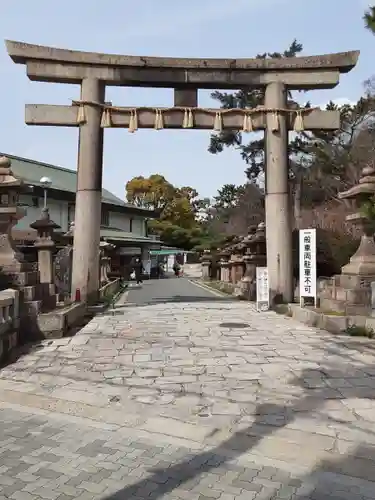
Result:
[138,270]
[160,271]
[176,269]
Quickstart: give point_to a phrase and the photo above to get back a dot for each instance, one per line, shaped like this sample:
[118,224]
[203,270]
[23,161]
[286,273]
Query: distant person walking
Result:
[138,270]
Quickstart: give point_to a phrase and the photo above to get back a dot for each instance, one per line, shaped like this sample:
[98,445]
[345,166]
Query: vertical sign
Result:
[307,264]
[263,291]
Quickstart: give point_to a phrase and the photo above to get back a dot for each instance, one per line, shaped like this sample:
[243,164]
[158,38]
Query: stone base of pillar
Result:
[224,272]
[246,289]
[205,271]
[347,294]
[362,263]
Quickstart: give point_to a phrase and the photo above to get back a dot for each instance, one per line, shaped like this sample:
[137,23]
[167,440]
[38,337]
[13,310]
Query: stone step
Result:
[31,308]
[342,306]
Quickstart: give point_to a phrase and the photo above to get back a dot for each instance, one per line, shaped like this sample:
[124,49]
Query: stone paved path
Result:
[185,395]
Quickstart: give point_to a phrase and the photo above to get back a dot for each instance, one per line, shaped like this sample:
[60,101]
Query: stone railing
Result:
[109,289]
[9,321]
[9,309]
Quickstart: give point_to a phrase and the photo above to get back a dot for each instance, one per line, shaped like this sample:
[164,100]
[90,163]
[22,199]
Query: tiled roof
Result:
[105,233]
[63,179]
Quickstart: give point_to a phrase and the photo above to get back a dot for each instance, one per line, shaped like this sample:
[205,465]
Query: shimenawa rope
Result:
[188,117]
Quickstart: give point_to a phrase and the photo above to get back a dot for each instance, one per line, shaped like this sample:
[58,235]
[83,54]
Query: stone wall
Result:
[9,322]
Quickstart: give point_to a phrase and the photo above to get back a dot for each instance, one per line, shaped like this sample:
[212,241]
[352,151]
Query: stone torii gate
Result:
[91,113]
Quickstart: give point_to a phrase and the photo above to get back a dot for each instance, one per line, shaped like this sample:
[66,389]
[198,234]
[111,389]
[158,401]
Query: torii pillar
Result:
[277,202]
[85,273]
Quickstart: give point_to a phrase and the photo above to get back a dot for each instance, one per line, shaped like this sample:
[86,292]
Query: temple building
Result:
[122,224]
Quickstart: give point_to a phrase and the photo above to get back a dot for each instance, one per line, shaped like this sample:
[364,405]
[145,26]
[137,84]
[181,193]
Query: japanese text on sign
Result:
[262,289]
[307,262]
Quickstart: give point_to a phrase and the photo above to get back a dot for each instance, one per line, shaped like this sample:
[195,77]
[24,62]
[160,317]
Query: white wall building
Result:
[121,223]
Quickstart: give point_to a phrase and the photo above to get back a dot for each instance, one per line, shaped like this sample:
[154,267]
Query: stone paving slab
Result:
[265,409]
[45,456]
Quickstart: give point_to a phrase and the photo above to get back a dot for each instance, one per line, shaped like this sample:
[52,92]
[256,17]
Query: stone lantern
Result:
[363,261]
[105,259]
[236,261]
[352,291]
[247,285]
[258,246]
[63,266]
[11,260]
[45,246]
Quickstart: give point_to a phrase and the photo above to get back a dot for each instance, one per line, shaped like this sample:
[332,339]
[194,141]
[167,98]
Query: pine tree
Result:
[369,19]
[253,151]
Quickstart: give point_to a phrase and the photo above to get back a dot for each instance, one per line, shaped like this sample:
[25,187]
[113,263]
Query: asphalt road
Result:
[171,290]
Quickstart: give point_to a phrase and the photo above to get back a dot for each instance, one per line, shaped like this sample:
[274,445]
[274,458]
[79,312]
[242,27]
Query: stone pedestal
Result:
[237,272]
[224,266]
[255,256]
[15,272]
[206,264]
[237,264]
[247,285]
[362,263]
[347,294]
[351,291]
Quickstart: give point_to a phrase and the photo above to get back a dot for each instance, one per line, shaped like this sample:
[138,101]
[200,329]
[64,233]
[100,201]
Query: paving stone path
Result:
[185,395]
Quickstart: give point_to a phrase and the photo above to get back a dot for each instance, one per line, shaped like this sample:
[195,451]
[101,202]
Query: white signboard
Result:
[147,266]
[170,262]
[307,264]
[263,291]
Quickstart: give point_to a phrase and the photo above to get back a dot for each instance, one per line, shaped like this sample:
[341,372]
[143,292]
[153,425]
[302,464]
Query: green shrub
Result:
[359,331]
[283,309]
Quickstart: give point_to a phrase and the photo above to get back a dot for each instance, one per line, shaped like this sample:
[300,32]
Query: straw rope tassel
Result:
[156,124]
[81,116]
[247,123]
[190,123]
[186,118]
[106,118]
[135,119]
[133,122]
[274,121]
[161,121]
[218,122]
[158,119]
[244,126]
[298,122]
[250,126]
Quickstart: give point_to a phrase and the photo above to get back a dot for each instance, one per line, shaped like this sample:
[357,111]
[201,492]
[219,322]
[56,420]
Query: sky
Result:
[198,28]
